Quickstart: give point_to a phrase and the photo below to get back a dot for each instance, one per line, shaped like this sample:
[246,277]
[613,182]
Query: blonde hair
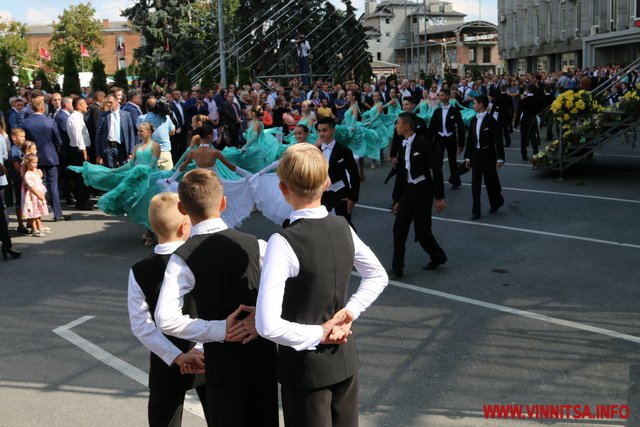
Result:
[16,131]
[304,170]
[164,216]
[200,193]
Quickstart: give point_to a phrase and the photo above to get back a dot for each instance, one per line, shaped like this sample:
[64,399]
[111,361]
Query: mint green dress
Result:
[424,111]
[312,138]
[373,120]
[467,113]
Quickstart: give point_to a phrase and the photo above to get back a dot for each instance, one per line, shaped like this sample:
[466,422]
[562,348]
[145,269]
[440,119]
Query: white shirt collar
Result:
[530,94]
[209,226]
[311,213]
[408,141]
[167,248]
[445,107]
[329,145]
[480,116]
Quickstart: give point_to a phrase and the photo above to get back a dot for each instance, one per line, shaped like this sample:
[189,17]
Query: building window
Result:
[637,11]
[549,25]
[563,21]
[486,55]
[595,13]
[387,34]
[536,37]
[613,15]
[472,55]
[577,16]
[387,21]
[414,20]
[379,56]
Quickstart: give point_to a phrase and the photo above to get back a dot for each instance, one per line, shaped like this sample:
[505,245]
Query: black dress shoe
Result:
[494,209]
[62,218]
[475,217]
[395,274]
[455,186]
[10,253]
[71,202]
[433,264]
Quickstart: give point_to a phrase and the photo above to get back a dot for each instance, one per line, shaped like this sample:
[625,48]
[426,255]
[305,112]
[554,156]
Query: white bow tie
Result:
[405,143]
[325,147]
[480,116]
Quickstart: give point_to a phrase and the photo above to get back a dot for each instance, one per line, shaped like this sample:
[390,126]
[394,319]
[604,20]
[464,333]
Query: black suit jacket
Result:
[342,162]
[454,124]
[423,162]
[528,109]
[43,131]
[490,139]
[504,107]
[421,129]
[228,115]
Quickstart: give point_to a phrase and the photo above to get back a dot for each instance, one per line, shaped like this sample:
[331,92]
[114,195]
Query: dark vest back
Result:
[149,274]
[325,251]
[226,267]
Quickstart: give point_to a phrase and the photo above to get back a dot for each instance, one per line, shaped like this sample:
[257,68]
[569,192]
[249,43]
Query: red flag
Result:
[44,54]
[84,51]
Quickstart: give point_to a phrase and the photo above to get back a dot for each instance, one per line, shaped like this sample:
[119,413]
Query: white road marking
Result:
[191,403]
[515,311]
[522,230]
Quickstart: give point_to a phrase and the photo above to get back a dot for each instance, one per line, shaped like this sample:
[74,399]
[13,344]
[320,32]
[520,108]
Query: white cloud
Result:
[5,14]
[487,10]
[41,15]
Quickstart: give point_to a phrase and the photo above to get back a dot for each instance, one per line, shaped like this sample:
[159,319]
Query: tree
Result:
[46,83]
[7,87]
[99,79]
[77,25]
[182,81]
[23,77]
[13,41]
[207,81]
[71,84]
[120,79]
[245,76]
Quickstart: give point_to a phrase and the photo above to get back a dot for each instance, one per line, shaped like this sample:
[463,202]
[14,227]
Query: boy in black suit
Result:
[484,154]
[342,194]
[418,182]
[220,267]
[527,115]
[302,302]
[170,356]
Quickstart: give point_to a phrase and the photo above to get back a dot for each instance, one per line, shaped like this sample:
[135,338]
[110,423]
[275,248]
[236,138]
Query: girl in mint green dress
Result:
[372,119]
[307,119]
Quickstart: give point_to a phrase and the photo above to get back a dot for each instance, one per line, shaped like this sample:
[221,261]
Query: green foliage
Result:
[245,76]
[99,79]
[7,87]
[207,81]
[77,25]
[71,84]
[120,79]
[23,77]
[182,81]
[13,41]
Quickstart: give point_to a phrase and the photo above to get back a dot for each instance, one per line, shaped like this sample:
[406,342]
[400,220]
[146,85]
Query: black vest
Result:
[324,248]
[149,274]
[226,267]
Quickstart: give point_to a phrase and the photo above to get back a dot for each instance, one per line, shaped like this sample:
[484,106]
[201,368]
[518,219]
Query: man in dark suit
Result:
[325,93]
[408,105]
[527,114]
[230,118]
[503,106]
[61,117]
[115,135]
[91,119]
[484,154]
[133,107]
[344,190]
[418,182]
[416,91]
[43,131]
[447,133]
[179,117]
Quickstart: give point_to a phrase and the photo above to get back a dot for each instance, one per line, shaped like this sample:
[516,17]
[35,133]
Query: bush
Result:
[182,81]
[71,84]
[99,79]
[120,79]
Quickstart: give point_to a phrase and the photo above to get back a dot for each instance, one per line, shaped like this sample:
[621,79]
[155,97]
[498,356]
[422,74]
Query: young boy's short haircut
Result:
[164,216]
[305,170]
[17,131]
[200,193]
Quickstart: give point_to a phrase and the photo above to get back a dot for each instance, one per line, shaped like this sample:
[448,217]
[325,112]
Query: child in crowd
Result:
[15,157]
[34,203]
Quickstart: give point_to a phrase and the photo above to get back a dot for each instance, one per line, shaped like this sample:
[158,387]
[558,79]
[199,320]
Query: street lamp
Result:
[426,39]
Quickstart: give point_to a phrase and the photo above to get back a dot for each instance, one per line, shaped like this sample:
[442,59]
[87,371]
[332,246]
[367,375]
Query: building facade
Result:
[397,31]
[550,35]
[120,40]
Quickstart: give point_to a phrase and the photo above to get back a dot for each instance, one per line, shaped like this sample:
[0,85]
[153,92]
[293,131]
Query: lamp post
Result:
[223,65]
[426,39]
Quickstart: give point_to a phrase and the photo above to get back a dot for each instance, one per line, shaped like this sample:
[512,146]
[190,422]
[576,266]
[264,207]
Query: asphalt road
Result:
[538,304]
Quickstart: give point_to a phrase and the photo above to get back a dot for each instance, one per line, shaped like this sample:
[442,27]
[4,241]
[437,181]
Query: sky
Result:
[45,11]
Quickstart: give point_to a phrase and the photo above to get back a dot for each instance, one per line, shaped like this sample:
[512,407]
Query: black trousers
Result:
[415,206]
[529,135]
[506,133]
[178,145]
[448,144]
[4,225]
[333,200]
[165,408]
[332,406]
[80,191]
[483,165]
[66,178]
[251,403]
[115,155]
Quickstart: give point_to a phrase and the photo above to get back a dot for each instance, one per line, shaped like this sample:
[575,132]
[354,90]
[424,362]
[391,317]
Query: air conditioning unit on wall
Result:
[594,30]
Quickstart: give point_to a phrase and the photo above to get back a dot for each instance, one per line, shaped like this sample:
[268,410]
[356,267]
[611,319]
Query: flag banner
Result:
[84,51]
[44,54]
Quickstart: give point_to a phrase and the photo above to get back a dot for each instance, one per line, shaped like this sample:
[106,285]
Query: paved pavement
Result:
[538,304]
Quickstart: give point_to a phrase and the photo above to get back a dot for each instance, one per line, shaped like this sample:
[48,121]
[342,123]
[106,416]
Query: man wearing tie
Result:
[484,154]
[179,140]
[61,117]
[79,141]
[418,181]
[231,119]
[115,135]
[43,131]
[447,131]
[344,189]
[326,94]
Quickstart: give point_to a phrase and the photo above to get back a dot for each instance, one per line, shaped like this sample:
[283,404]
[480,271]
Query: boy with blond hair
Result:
[302,301]
[170,357]
[15,158]
[220,268]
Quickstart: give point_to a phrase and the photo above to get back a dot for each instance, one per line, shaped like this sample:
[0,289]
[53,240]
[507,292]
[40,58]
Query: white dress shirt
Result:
[327,149]
[213,109]
[78,132]
[480,117]
[281,263]
[142,324]
[114,126]
[179,107]
[179,281]
[445,111]
[407,159]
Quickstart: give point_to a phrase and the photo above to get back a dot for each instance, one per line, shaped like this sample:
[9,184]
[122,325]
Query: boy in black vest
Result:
[302,301]
[220,267]
[168,354]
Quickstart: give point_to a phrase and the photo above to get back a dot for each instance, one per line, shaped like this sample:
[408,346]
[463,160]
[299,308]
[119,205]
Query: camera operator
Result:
[158,115]
[303,48]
